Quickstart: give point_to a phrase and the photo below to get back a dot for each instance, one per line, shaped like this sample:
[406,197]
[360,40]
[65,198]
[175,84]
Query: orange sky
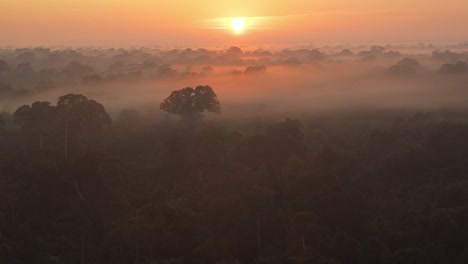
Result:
[123,22]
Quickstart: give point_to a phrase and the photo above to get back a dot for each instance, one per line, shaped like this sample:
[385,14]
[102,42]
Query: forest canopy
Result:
[333,154]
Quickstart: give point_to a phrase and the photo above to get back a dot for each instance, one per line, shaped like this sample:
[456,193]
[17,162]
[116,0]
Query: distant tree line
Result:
[24,72]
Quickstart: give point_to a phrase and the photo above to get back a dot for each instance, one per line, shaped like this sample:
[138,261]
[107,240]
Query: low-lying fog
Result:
[248,81]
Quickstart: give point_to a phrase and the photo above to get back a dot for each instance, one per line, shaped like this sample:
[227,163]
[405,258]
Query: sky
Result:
[139,22]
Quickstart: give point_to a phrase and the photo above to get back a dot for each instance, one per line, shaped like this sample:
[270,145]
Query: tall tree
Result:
[36,120]
[191,103]
[81,118]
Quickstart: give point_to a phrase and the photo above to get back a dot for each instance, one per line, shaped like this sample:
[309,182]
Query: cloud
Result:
[266,22]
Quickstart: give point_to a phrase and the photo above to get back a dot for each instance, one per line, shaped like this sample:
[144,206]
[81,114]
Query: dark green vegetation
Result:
[360,187]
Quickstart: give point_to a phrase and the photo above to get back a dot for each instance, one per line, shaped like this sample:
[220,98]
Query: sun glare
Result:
[238,25]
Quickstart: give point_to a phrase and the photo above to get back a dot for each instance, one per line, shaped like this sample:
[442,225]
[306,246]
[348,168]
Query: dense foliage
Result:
[191,103]
[26,72]
[361,187]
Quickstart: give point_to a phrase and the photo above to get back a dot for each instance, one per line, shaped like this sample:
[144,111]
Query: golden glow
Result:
[238,25]
[109,22]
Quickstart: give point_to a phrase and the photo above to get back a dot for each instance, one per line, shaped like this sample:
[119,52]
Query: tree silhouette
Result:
[345,52]
[406,66]
[234,51]
[191,103]
[459,67]
[36,120]
[83,113]
[81,118]
[409,62]
[255,69]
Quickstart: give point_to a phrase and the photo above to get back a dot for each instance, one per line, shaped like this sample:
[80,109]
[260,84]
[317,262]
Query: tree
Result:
[83,113]
[377,50]
[255,69]
[445,55]
[234,51]
[459,67]
[346,52]
[406,66]
[191,103]
[166,72]
[37,119]
[409,62]
[316,55]
[81,118]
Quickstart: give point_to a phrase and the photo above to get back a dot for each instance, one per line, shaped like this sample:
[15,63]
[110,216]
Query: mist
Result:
[291,80]
[234,155]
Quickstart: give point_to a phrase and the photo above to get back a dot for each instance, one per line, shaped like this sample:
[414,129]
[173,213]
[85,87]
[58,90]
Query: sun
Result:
[238,25]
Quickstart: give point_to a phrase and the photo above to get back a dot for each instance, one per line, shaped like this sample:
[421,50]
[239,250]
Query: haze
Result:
[233,132]
[276,80]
